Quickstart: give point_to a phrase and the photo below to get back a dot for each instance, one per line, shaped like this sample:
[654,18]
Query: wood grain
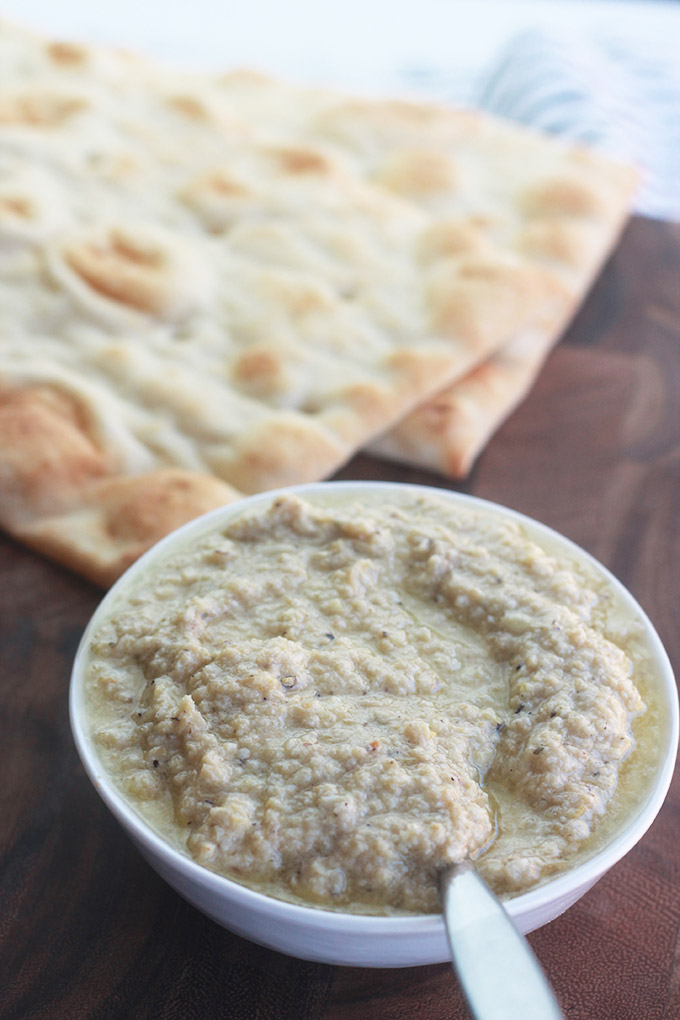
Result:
[88,930]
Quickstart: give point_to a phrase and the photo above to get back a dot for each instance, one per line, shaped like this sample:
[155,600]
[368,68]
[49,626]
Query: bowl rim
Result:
[284,911]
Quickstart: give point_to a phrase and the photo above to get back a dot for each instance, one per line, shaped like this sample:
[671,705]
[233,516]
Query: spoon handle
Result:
[497,970]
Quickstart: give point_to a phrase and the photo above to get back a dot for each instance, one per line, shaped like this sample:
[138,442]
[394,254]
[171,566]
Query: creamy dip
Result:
[330,700]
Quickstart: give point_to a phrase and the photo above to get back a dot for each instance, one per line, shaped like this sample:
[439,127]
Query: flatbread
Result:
[495,191]
[574,236]
[212,285]
[448,432]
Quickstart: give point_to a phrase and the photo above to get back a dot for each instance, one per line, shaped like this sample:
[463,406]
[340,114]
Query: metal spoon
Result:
[498,972]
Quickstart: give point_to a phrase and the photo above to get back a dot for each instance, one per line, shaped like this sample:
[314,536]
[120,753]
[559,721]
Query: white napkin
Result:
[600,91]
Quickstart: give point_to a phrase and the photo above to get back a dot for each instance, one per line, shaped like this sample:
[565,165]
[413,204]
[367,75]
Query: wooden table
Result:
[88,930]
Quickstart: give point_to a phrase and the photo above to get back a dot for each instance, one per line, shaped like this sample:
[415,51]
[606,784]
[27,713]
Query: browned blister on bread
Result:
[118,519]
[33,109]
[47,453]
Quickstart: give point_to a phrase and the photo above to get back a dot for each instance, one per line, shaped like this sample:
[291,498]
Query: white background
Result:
[376,45]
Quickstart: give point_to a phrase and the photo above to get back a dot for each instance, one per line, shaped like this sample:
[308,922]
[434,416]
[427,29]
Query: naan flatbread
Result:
[496,192]
[212,285]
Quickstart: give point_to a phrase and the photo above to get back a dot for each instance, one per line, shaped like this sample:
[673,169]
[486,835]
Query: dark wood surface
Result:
[88,930]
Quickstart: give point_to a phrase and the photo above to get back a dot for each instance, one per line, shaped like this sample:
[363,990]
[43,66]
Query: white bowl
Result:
[352,939]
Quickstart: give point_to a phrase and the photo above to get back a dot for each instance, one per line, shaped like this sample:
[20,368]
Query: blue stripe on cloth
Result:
[601,92]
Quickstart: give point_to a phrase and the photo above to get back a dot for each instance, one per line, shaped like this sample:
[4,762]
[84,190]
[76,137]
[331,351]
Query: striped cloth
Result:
[602,92]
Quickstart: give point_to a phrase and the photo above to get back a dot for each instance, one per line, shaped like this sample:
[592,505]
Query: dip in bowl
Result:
[303,705]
